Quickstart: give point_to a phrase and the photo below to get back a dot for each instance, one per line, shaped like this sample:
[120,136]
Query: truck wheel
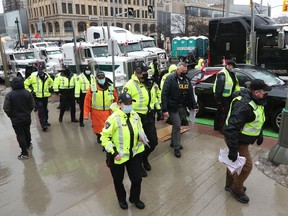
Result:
[276,119]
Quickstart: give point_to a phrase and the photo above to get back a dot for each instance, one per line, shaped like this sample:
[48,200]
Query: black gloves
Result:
[159,115]
[260,139]
[233,154]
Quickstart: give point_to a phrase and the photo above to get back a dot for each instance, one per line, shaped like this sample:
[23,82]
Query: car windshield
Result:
[269,78]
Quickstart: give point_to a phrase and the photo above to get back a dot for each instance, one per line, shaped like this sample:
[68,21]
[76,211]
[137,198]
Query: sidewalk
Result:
[67,176]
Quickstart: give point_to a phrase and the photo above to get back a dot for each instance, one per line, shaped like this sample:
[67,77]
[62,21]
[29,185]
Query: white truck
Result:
[127,44]
[18,59]
[148,44]
[50,53]
[97,55]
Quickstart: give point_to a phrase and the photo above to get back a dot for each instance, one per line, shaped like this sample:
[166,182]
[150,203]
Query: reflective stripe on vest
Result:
[120,135]
[251,128]
[227,91]
[140,108]
[97,98]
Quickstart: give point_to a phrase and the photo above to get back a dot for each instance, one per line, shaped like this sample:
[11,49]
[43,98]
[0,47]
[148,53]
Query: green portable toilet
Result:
[202,45]
[183,46]
[175,44]
[206,45]
[191,43]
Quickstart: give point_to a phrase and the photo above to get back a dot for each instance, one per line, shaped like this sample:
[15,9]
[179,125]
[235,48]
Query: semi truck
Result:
[229,38]
[96,56]
[148,44]
[127,44]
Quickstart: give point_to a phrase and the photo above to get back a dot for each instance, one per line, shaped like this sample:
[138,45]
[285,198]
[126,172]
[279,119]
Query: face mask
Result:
[145,77]
[40,73]
[127,108]
[183,74]
[101,81]
[88,72]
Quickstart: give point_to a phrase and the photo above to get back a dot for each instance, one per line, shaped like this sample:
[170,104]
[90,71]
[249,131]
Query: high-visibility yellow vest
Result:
[171,69]
[102,99]
[62,82]
[152,68]
[199,64]
[228,84]
[41,89]
[116,134]
[83,84]
[139,92]
[252,128]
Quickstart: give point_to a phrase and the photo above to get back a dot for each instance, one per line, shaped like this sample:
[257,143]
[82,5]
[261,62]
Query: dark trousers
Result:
[175,118]
[42,104]
[67,100]
[134,168]
[235,181]
[23,136]
[148,122]
[81,106]
[221,113]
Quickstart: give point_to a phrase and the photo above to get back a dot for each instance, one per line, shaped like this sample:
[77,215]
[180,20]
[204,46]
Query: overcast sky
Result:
[276,11]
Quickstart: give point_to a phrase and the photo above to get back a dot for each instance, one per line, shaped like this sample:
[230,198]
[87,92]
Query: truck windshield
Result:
[53,52]
[130,47]
[23,56]
[100,51]
[147,44]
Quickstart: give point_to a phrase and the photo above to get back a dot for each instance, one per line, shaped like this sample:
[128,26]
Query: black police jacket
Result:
[241,114]
[170,94]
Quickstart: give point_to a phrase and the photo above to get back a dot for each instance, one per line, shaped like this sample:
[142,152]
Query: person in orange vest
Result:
[98,100]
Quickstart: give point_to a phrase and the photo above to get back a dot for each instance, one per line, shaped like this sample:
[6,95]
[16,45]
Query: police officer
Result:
[177,96]
[142,91]
[64,84]
[243,126]
[120,138]
[40,84]
[225,84]
[98,100]
[83,83]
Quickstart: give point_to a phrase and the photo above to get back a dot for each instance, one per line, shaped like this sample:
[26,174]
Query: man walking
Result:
[177,96]
[40,84]
[225,84]
[18,105]
[142,90]
[243,126]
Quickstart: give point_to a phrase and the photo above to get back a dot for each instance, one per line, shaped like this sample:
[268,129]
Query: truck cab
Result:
[96,55]
[127,44]
[148,44]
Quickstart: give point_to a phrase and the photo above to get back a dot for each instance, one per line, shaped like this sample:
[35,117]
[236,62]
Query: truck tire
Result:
[276,119]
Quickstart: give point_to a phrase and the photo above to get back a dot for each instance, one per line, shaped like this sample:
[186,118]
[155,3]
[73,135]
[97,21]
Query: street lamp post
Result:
[18,30]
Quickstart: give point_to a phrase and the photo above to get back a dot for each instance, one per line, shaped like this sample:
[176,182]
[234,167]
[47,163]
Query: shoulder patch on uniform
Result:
[125,89]
[107,125]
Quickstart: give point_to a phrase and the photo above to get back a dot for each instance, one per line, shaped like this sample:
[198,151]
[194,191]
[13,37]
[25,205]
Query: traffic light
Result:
[285,6]
[130,12]
[150,10]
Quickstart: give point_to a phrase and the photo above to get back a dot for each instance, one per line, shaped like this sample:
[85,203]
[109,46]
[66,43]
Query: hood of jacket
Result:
[17,83]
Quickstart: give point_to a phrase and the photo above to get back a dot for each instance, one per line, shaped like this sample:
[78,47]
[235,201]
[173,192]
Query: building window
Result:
[125,1]
[46,9]
[57,27]
[49,10]
[77,8]
[83,9]
[70,10]
[40,11]
[50,28]
[105,11]
[89,9]
[68,26]
[56,8]
[53,8]
[129,2]
[32,29]
[95,10]
[64,9]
